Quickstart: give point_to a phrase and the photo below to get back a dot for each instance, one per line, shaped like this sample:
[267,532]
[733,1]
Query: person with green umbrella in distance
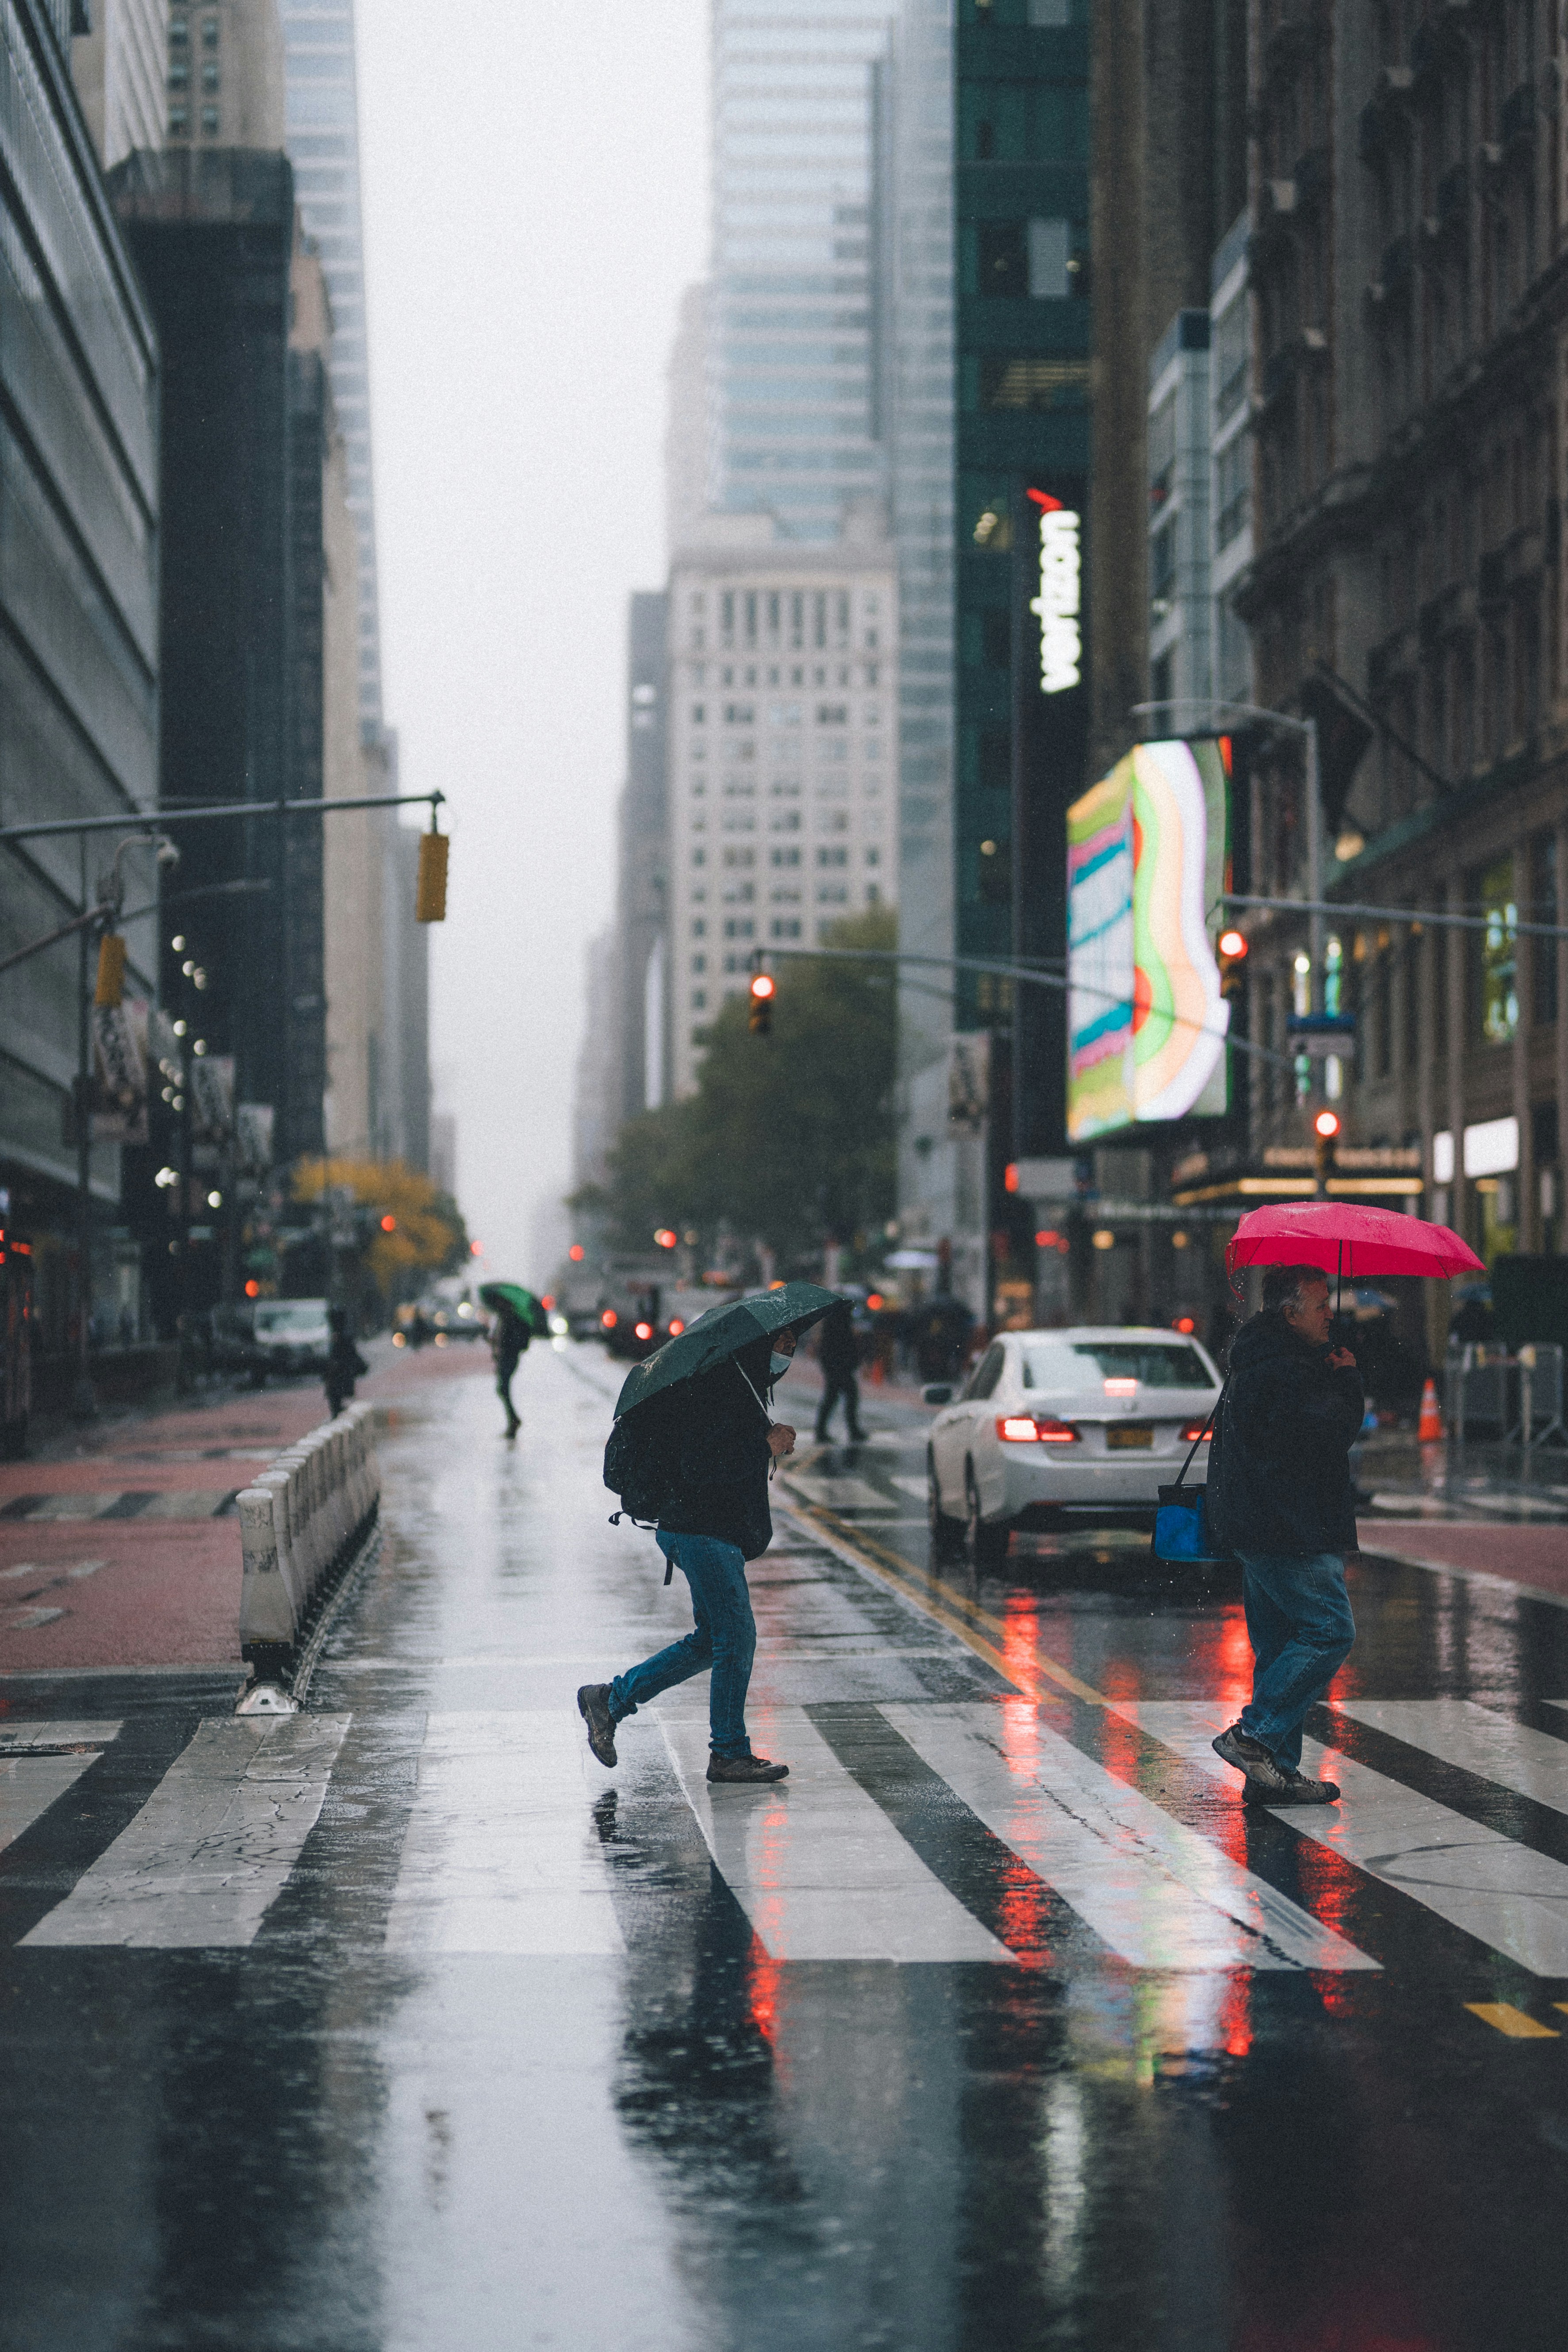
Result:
[712,1449]
[519,1318]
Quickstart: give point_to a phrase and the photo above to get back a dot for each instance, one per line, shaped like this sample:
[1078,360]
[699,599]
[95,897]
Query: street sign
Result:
[1320,1035]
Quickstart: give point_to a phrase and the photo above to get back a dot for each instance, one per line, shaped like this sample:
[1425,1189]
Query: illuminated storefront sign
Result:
[1146,1021]
[1058,603]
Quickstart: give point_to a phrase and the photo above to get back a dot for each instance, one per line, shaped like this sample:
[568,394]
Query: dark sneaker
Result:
[1264,1776]
[746,1769]
[594,1706]
[1299,1791]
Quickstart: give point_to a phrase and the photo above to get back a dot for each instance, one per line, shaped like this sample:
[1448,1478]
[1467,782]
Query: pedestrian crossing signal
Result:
[110,986]
[760,1021]
[1230,954]
[430,890]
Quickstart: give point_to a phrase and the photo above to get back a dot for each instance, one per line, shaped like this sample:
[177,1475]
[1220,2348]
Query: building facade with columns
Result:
[1409,283]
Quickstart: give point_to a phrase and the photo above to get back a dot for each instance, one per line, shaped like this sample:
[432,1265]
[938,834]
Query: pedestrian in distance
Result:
[509,1336]
[345,1362]
[840,1358]
[1281,1496]
[721,1444]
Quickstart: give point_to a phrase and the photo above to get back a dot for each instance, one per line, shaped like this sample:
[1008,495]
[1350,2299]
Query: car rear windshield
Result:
[306,1317]
[1062,1367]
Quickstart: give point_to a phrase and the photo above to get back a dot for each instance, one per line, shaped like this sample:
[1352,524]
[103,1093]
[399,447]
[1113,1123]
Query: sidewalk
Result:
[125,1552]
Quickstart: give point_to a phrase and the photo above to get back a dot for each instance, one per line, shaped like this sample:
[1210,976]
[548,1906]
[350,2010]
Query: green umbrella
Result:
[722,1332]
[511,1298]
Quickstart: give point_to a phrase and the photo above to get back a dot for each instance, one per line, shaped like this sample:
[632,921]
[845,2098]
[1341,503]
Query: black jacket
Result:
[835,1350]
[1278,1475]
[724,1458]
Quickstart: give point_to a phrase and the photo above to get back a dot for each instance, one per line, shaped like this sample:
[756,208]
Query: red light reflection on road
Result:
[1119,1741]
[1236,2018]
[1235,1665]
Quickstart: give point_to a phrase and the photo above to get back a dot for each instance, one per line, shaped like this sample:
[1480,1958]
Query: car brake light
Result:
[1193,1432]
[609,1319]
[675,1326]
[645,1330]
[1034,1429]
[1120,1387]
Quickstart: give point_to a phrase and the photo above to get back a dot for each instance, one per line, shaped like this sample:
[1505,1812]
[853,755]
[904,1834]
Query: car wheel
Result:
[946,1538]
[985,1541]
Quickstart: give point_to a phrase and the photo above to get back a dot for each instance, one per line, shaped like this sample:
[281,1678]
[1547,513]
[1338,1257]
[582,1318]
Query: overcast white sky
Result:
[536,197]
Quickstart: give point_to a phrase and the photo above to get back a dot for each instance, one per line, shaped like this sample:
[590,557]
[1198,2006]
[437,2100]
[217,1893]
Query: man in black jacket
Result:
[728,1442]
[839,1358]
[1281,1497]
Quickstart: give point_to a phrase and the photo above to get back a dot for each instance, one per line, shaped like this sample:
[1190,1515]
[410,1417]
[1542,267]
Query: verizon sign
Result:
[1058,603]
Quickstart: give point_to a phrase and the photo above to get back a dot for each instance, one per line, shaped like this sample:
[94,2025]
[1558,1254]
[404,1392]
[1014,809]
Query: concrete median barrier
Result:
[308,1522]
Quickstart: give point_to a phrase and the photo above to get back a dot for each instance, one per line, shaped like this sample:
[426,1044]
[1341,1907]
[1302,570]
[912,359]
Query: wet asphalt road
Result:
[406,2025]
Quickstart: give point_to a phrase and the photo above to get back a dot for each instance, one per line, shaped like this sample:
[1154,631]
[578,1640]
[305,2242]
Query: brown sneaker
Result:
[1265,1778]
[594,1706]
[746,1768]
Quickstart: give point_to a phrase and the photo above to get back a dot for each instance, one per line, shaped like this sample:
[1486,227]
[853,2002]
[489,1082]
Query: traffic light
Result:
[110,986]
[430,888]
[1230,954]
[1326,1138]
[760,1021]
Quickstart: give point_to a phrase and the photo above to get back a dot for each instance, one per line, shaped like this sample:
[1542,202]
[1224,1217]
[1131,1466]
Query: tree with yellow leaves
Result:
[416,1229]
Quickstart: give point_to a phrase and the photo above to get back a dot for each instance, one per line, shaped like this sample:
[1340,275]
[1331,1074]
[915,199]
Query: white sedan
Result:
[1048,1418]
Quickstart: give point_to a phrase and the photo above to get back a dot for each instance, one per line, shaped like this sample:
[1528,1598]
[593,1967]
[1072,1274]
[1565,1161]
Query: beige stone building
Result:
[225,73]
[120,68]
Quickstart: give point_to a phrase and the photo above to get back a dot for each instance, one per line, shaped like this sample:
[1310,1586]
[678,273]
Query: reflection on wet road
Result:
[403,2024]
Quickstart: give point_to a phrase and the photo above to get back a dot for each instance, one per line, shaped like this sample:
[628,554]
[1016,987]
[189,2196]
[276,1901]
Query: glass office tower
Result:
[790,342]
[322,135]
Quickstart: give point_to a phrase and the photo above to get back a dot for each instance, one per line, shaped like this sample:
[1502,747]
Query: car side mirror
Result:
[939,1392]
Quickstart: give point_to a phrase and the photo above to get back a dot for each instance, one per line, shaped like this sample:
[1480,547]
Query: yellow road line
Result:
[863,1550]
[1514,2022]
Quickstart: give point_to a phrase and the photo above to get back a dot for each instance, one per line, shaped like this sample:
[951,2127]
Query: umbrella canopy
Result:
[511,1298]
[1347,1240]
[722,1332]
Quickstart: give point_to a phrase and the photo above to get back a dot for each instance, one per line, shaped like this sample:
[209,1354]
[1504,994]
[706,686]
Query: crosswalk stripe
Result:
[1517,2023]
[1457,1731]
[1497,1890]
[498,1856]
[815,1862]
[29,1784]
[214,1844]
[1151,1888]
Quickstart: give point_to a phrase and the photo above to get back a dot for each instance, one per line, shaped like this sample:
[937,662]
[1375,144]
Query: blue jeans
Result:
[1299,1624]
[724,1638]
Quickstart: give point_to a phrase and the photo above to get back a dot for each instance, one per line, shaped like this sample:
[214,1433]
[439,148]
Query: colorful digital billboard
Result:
[1146,865]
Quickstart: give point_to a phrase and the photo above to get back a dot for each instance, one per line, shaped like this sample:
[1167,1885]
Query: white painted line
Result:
[1153,1889]
[30,1784]
[212,1848]
[1532,1763]
[814,1861]
[848,1494]
[907,1483]
[1497,1890]
[500,1854]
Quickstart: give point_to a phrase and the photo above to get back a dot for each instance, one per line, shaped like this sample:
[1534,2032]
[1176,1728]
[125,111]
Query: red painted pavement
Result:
[1524,1555]
[163,1592]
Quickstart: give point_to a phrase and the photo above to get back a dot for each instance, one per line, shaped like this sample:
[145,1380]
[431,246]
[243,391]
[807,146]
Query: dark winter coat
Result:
[724,1458]
[1278,1475]
[510,1342]
[836,1350]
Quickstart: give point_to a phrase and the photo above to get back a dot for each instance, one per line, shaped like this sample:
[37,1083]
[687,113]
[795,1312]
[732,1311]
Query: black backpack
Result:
[642,1460]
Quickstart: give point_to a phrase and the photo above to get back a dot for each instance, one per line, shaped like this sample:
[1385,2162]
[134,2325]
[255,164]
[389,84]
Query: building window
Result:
[179,122]
[1543,910]
[833,857]
[738,928]
[179,31]
[1229,362]
[1232,491]
[210,122]
[700,929]
[833,714]
[873,856]
[698,1005]
[179,73]
[210,32]
[1498,951]
[790,930]
[784,858]
[209,77]
[1163,565]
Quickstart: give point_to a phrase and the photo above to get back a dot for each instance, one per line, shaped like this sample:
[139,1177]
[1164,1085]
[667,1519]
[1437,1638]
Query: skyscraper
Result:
[322,135]
[789,341]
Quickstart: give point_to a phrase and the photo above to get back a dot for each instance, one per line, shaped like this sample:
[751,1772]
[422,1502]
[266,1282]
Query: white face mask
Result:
[779,1365]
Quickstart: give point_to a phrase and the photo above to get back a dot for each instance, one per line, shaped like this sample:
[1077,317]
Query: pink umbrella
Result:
[1345,1239]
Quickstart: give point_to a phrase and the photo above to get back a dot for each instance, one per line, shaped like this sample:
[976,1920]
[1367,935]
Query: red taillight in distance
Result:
[675,1326]
[1034,1429]
[608,1319]
[1193,1432]
[645,1330]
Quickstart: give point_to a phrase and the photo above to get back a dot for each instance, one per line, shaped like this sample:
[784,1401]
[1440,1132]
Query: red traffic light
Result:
[665,1238]
[609,1319]
[761,985]
[576,1252]
[645,1330]
[1327,1125]
[1232,943]
[389,1225]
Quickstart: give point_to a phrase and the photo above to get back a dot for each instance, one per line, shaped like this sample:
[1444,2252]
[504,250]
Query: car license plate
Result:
[1124,1436]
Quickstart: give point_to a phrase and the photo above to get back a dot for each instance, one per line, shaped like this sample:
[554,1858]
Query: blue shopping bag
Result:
[1180,1522]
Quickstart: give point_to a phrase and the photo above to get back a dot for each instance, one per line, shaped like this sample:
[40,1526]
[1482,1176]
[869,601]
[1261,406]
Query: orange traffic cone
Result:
[1431,1428]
